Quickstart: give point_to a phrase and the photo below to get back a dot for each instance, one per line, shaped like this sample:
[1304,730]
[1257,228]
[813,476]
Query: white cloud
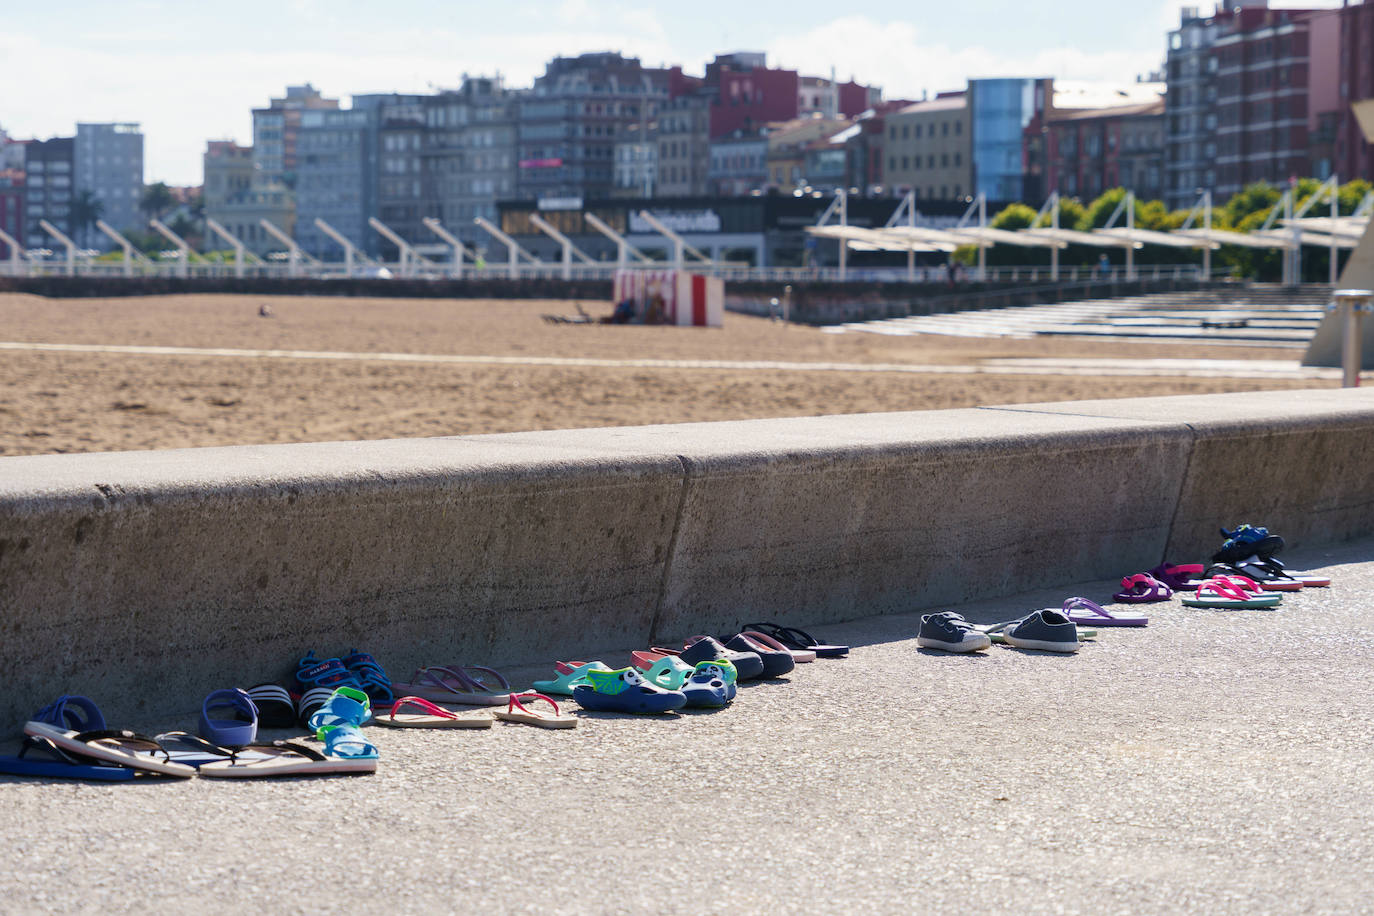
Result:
[894,56]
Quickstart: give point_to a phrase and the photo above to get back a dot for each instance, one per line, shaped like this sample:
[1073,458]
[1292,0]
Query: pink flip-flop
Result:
[1089,613]
[1142,588]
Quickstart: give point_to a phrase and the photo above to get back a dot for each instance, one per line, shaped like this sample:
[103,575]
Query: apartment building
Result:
[636,161]
[927,147]
[232,199]
[738,163]
[109,165]
[401,195]
[11,209]
[570,121]
[1090,151]
[50,168]
[788,144]
[469,152]
[684,146]
[275,132]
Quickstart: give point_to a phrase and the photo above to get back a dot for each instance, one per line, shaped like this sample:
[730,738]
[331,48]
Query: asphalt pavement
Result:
[1216,761]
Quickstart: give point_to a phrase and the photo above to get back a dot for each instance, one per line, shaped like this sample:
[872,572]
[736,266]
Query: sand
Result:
[55,402]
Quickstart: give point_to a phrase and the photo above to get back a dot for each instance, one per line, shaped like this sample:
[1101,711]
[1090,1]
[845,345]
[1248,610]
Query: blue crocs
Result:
[625,690]
[711,685]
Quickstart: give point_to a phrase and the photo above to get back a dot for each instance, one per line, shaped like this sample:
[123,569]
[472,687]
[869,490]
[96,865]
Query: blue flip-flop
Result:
[61,764]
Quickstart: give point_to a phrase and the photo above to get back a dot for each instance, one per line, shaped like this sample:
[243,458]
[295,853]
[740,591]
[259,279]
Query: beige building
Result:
[927,147]
[787,145]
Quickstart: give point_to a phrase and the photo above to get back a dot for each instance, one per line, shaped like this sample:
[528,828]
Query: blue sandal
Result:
[347,742]
[347,707]
[241,725]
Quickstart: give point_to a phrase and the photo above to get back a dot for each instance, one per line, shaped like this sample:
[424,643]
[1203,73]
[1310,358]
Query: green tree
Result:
[86,208]
[157,199]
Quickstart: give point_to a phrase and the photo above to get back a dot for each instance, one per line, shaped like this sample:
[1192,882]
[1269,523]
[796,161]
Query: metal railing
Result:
[600,271]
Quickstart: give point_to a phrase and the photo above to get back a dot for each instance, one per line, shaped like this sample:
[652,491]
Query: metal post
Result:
[680,246]
[183,249]
[241,254]
[294,250]
[1335,215]
[982,248]
[433,225]
[14,251]
[844,221]
[409,255]
[622,247]
[1207,250]
[1054,249]
[1130,225]
[569,249]
[130,252]
[513,249]
[56,233]
[1353,302]
[350,250]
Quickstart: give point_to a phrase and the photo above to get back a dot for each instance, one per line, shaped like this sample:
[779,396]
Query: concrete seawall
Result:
[145,579]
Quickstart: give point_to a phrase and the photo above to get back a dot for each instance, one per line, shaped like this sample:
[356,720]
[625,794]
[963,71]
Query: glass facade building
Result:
[1000,112]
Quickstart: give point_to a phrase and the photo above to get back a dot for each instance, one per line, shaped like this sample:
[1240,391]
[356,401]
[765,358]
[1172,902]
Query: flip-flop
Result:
[1274,566]
[798,655]
[570,674]
[794,638]
[60,764]
[1247,585]
[1142,588]
[517,711]
[458,684]
[285,758]
[1176,576]
[1216,593]
[126,748]
[1084,611]
[1265,575]
[433,716]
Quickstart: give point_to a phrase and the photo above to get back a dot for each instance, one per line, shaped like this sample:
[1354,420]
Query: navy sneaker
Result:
[950,632]
[1049,630]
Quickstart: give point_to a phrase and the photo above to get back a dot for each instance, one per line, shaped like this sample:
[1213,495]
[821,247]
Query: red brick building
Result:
[1091,151]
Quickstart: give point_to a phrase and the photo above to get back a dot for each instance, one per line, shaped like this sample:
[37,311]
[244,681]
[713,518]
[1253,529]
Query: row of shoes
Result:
[704,673]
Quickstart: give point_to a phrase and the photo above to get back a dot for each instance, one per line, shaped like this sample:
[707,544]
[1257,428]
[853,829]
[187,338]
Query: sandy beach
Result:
[358,380]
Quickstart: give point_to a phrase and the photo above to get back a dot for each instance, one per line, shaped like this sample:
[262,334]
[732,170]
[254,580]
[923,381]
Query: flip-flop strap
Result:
[1222,589]
[73,713]
[422,704]
[295,747]
[38,743]
[1087,606]
[529,695]
[125,737]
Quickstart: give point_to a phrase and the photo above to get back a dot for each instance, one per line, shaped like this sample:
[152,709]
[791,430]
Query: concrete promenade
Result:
[212,566]
[1213,762]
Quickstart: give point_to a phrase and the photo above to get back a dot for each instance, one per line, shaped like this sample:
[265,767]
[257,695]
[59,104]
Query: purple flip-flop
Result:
[1089,613]
[1142,588]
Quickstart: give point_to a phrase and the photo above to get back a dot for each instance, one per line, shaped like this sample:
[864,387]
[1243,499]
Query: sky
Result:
[191,72]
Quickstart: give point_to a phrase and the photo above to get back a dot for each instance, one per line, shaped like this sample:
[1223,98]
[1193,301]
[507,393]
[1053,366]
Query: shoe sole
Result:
[926,642]
[1042,644]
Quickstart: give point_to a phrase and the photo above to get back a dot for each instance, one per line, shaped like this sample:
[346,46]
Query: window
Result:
[918,131]
[944,128]
[958,129]
[905,164]
[906,130]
